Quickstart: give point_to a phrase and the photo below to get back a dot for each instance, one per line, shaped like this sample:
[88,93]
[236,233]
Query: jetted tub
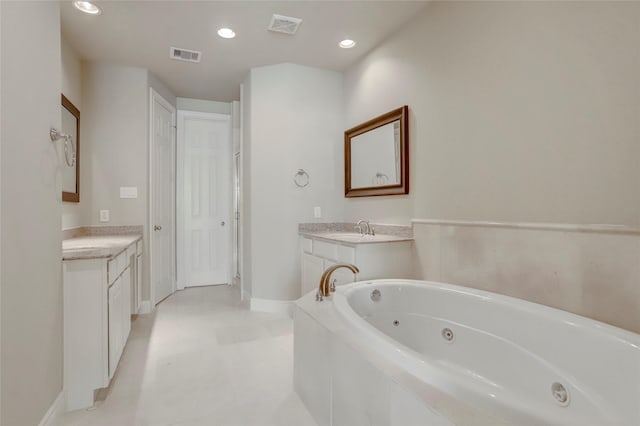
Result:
[530,364]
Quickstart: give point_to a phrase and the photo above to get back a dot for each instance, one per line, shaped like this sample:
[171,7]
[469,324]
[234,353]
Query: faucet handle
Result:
[373,231]
[332,286]
[319,297]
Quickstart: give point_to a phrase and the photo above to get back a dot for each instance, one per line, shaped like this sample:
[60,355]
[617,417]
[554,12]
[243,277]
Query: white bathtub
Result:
[499,353]
[525,363]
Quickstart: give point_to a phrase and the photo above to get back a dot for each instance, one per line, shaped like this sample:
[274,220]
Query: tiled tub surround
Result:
[386,360]
[592,271]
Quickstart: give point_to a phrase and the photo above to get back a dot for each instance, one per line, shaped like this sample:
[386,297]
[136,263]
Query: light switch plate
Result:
[128,192]
[104,215]
[317,212]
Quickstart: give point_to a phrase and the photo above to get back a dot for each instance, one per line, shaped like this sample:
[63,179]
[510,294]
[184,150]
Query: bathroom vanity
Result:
[102,279]
[387,254]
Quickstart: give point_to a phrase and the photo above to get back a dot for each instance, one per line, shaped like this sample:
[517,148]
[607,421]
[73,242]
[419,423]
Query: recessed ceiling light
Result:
[347,44]
[87,7]
[226,33]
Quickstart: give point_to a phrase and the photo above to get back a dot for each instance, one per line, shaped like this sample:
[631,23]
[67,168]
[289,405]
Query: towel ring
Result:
[301,178]
[56,135]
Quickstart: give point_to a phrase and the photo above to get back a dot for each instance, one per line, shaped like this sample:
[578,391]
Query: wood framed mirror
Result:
[376,156]
[70,118]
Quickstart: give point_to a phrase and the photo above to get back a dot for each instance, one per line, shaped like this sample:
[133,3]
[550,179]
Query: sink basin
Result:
[78,247]
[354,237]
[348,235]
[87,244]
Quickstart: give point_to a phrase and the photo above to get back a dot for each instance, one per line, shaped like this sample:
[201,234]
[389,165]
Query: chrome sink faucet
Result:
[363,227]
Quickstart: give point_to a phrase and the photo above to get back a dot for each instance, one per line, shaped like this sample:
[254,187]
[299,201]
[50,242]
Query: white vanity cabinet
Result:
[136,279]
[97,322]
[392,259]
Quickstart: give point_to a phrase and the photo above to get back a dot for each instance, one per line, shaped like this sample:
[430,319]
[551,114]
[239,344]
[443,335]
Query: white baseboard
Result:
[53,414]
[272,306]
[145,307]
[245,299]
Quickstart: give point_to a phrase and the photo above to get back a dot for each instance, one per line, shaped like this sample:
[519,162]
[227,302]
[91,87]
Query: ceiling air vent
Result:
[284,24]
[185,55]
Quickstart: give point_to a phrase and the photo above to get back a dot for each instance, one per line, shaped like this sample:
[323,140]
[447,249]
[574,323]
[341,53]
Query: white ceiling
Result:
[139,33]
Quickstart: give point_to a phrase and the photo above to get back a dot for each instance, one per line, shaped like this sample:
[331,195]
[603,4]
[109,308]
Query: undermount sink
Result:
[88,244]
[357,238]
[347,235]
[73,247]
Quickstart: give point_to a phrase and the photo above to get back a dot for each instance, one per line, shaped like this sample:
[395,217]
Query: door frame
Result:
[153,97]
[180,249]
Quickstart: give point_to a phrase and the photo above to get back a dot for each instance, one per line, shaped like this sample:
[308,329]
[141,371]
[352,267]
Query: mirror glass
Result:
[376,155]
[70,119]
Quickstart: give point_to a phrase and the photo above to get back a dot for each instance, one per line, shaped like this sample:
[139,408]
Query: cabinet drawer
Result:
[116,265]
[347,254]
[112,270]
[326,250]
[131,250]
[307,245]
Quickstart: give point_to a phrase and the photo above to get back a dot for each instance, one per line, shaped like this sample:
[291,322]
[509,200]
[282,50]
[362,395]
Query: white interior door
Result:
[204,194]
[162,198]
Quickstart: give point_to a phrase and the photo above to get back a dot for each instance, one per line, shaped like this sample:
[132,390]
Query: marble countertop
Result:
[96,246]
[354,238]
[344,233]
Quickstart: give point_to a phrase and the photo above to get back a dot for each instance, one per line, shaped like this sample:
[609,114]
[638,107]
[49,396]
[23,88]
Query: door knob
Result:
[157,227]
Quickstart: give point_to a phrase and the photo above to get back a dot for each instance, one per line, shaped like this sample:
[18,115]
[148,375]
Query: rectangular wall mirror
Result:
[70,152]
[377,156]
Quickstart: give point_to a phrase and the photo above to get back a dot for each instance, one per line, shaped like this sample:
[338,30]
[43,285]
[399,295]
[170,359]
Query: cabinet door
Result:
[138,282]
[134,276]
[126,305]
[312,268]
[115,325]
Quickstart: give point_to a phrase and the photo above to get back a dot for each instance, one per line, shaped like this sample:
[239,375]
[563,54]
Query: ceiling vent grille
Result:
[284,24]
[185,55]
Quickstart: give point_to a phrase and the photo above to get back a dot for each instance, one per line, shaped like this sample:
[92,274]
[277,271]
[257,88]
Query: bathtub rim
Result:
[454,410]
[400,353]
[622,335]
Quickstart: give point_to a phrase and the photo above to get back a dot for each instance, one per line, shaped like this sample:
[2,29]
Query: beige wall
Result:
[201,105]
[115,146]
[72,89]
[31,267]
[114,154]
[245,187]
[296,122]
[520,111]
[156,84]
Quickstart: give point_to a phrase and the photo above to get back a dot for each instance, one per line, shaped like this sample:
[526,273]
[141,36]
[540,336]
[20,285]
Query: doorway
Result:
[162,197]
[204,207]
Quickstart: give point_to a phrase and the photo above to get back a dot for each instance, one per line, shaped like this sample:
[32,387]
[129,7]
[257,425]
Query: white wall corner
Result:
[245,298]
[55,412]
[272,306]
[145,307]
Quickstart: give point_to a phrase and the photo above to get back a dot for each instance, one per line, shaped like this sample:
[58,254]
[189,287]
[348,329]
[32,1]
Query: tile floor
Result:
[202,359]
